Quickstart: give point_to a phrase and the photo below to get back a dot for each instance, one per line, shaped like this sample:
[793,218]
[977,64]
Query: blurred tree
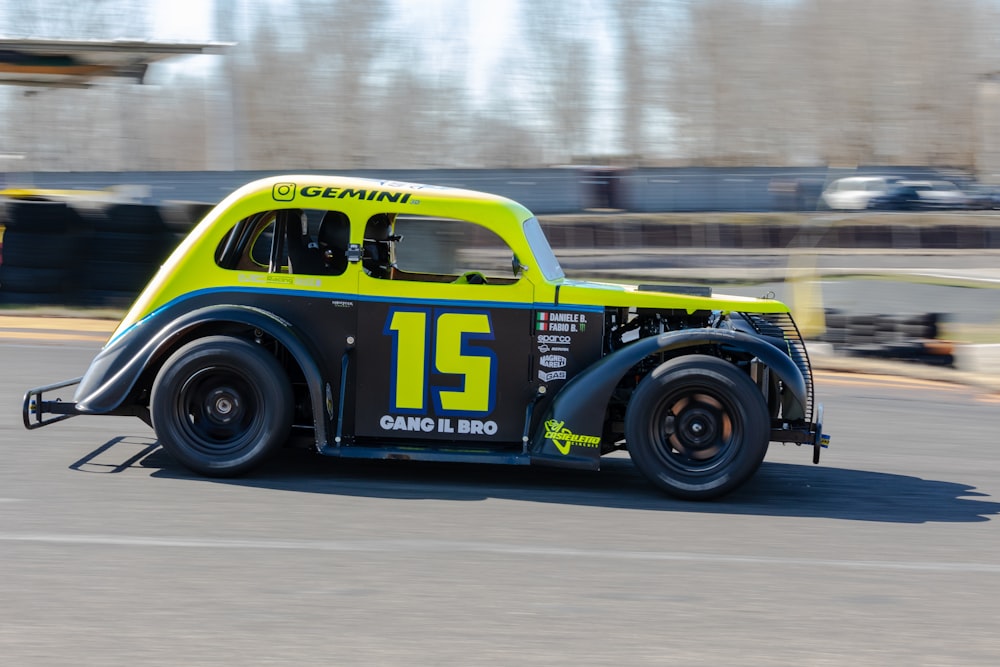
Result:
[559,57]
[831,81]
[299,83]
[48,123]
[57,19]
[341,84]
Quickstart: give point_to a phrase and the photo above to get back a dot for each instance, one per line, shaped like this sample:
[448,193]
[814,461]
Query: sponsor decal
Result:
[563,438]
[558,340]
[307,282]
[283,191]
[265,278]
[449,343]
[361,194]
[543,348]
[439,425]
[553,361]
[342,304]
[569,322]
[551,376]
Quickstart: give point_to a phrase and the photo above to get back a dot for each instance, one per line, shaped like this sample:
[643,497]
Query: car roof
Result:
[860,181]
[363,197]
[865,179]
[947,185]
[426,191]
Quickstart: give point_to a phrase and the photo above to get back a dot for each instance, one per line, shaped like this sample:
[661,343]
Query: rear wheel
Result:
[221,405]
[697,427]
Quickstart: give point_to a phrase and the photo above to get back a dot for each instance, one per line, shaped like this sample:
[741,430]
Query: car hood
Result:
[587,293]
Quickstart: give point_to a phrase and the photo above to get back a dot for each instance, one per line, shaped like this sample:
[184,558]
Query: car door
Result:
[442,355]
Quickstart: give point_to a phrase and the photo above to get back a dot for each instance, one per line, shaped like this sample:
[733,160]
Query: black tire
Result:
[131,219]
[40,251]
[126,247]
[105,275]
[40,217]
[108,298]
[697,427]
[34,280]
[180,217]
[9,298]
[917,330]
[221,406]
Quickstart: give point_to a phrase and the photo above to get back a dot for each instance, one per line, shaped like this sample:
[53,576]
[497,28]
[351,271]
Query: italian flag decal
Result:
[566,322]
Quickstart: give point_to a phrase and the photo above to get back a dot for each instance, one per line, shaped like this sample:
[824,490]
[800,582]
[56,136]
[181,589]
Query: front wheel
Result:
[697,427]
[221,405]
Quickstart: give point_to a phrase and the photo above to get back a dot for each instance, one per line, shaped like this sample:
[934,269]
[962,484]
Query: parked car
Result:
[920,195]
[938,194]
[302,310]
[897,198]
[854,192]
[982,197]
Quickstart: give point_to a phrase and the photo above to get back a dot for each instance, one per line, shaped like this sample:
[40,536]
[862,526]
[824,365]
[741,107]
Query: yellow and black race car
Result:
[386,320]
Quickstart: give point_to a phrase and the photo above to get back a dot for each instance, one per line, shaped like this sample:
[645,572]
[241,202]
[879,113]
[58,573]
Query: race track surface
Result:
[884,554]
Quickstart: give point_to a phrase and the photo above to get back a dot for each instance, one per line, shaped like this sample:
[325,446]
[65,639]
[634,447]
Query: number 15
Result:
[445,347]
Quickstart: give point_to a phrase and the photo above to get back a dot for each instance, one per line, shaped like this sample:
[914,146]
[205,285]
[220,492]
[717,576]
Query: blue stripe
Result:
[346,296]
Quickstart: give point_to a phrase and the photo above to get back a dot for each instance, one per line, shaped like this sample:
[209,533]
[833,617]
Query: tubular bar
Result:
[35,408]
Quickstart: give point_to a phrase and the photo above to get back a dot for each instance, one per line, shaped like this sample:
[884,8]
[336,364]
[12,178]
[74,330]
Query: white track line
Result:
[447,546]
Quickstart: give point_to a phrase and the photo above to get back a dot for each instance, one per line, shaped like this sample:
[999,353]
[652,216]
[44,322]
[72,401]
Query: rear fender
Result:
[570,432]
[117,367]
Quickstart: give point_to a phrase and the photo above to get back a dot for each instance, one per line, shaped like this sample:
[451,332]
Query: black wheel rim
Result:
[694,430]
[219,410]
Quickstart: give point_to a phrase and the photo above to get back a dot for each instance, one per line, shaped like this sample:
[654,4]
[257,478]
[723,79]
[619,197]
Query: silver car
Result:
[854,192]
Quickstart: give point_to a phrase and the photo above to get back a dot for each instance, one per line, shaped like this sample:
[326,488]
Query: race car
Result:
[377,319]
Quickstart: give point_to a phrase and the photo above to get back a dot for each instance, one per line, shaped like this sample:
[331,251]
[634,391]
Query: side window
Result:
[327,255]
[251,245]
[448,250]
[260,247]
[263,242]
[288,241]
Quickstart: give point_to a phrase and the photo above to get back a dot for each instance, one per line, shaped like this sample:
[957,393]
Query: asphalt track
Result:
[884,554]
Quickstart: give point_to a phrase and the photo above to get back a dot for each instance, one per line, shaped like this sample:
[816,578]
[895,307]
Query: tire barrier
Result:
[129,243]
[94,253]
[900,337]
[42,254]
[180,217]
[86,254]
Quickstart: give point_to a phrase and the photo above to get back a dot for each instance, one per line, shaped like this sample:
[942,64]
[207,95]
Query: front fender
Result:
[570,432]
[117,367]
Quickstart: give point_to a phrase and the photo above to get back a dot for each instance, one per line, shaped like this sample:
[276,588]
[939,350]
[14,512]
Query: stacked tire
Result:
[42,253]
[129,243]
[180,217]
[890,336]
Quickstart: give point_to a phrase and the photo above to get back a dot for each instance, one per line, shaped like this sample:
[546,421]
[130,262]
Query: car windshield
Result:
[547,262]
